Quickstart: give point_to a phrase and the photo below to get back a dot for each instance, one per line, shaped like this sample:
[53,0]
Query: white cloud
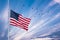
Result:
[58,1]
[56,27]
[42,39]
[5,13]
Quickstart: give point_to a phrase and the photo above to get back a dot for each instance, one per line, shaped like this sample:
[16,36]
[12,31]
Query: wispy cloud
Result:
[44,19]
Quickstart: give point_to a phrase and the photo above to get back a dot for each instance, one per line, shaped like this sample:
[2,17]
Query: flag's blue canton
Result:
[14,15]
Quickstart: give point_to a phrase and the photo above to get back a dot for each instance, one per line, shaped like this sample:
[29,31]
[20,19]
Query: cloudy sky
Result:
[3,20]
[44,14]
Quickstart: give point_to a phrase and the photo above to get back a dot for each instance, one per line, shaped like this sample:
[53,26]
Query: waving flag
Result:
[18,20]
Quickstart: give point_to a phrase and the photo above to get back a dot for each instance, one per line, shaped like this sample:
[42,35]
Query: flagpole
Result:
[8,19]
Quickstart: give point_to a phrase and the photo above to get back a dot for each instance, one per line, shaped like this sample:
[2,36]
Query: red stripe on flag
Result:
[21,22]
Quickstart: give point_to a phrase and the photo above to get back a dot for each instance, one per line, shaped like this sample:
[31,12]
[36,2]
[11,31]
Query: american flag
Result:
[19,21]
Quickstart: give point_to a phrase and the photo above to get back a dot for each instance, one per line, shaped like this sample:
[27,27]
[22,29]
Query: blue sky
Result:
[2,4]
[3,23]
[44,14]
